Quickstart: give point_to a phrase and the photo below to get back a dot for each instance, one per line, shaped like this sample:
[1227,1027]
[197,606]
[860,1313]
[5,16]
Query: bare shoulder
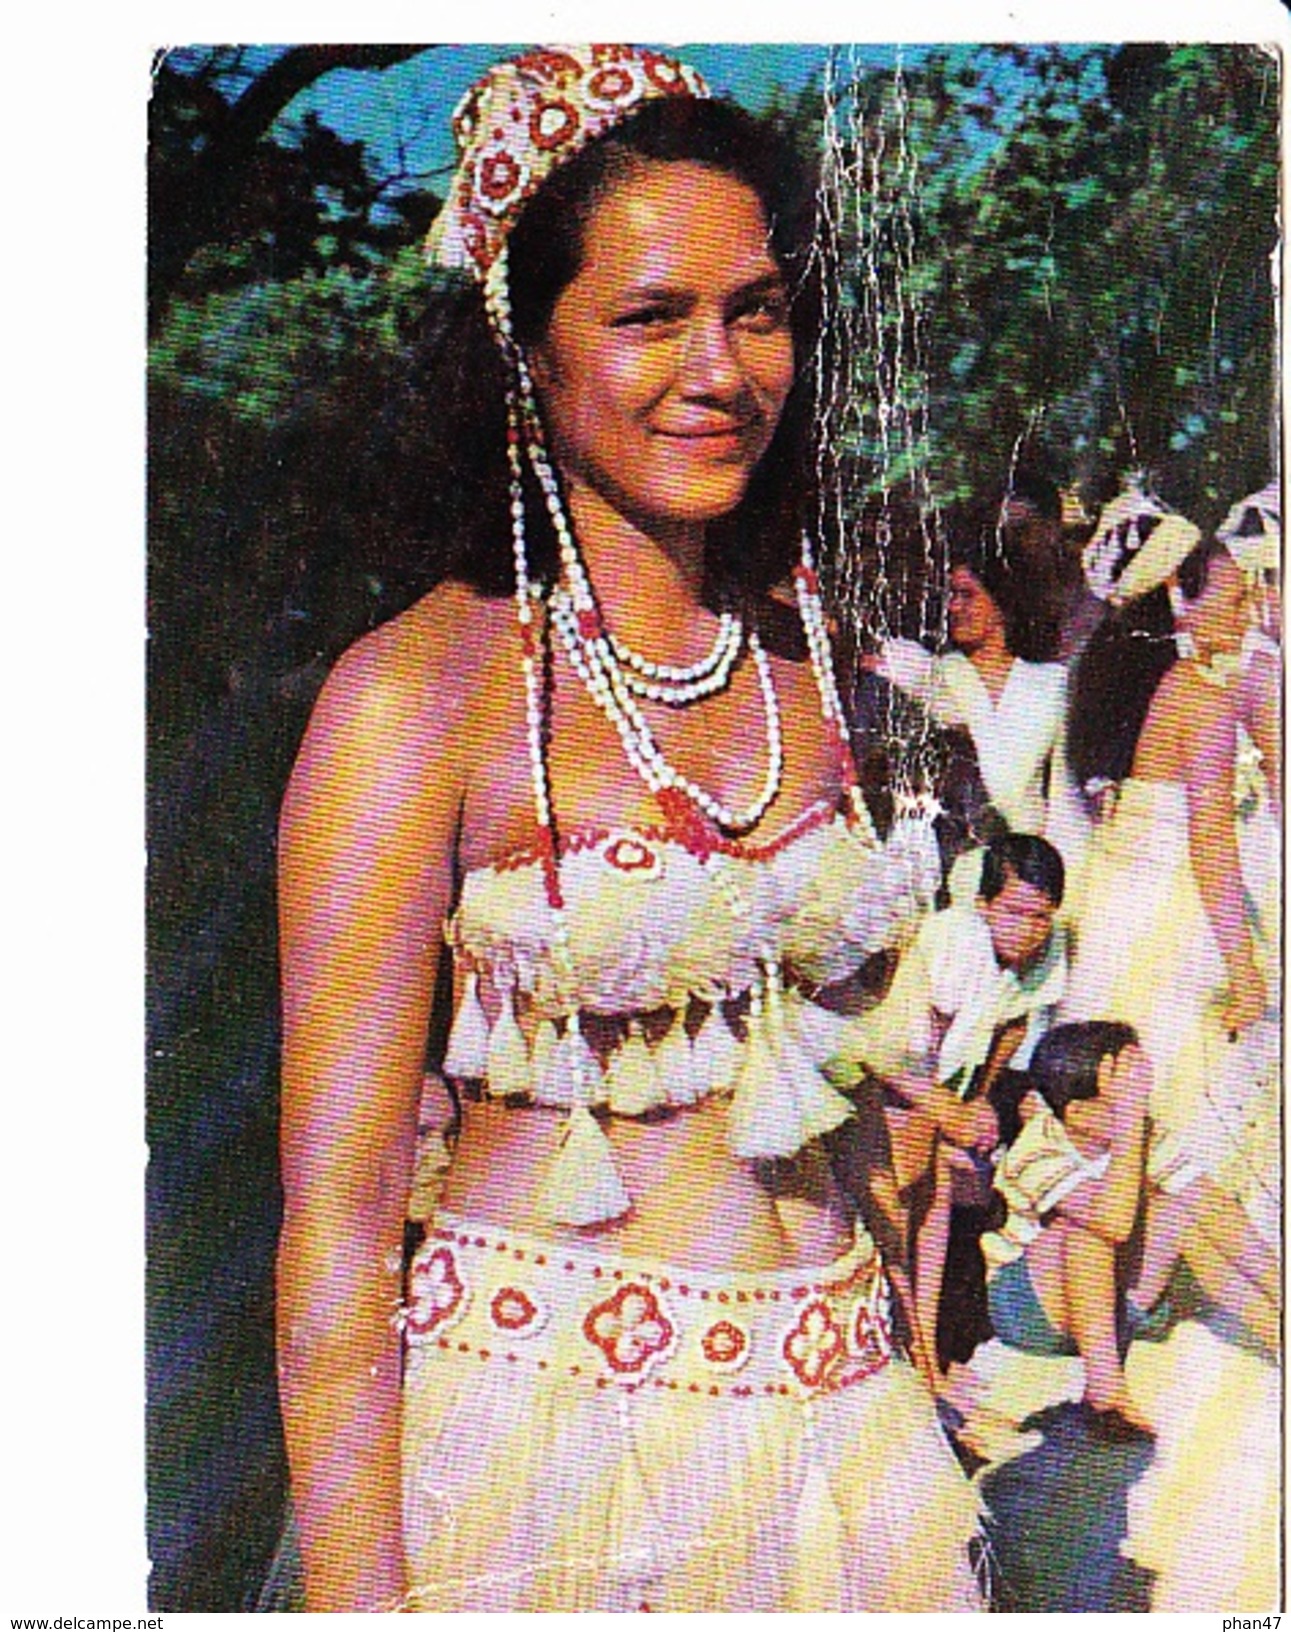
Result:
[392,709]
[427,666]
[428,658]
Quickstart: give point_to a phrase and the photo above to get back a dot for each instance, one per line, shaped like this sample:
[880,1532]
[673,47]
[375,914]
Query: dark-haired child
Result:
[1073,1180]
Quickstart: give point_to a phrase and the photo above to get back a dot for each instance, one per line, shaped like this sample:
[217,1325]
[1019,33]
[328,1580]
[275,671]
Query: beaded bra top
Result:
[691,973]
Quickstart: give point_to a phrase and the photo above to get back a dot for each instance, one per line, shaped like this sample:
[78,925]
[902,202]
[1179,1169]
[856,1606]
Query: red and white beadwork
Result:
[515,1313]
[539,1306]
[437,1296]
[869,1338]
[614,86]
[526,117]
[553,123]
[813,1343]
[726,1345]
[633,857]
[631,1329]
[500,179]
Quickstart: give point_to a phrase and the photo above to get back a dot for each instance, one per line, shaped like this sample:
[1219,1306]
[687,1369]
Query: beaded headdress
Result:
[1137,545]
[524,119]
[1251,532]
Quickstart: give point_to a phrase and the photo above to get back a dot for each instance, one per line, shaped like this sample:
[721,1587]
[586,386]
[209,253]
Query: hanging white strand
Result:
[873,402]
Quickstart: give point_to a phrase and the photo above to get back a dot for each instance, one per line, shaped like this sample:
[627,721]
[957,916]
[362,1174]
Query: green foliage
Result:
[1091,232]
[257,346]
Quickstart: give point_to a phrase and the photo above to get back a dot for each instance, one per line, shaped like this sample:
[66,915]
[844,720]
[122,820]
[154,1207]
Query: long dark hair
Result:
[1126,660]
[464,477]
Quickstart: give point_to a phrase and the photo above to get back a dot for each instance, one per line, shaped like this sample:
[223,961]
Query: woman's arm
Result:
[1210,738]
[913,669]
[365,870]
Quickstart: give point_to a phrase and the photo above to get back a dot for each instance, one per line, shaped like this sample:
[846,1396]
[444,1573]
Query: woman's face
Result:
[669,356]
[974,615]
[1218,618]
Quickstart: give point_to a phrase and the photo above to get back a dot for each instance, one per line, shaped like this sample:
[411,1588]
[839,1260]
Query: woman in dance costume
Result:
[992,683]
[642,1358]
[1165,935]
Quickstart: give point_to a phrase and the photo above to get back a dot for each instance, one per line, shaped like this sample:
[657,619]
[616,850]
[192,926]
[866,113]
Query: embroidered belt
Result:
[599,1321]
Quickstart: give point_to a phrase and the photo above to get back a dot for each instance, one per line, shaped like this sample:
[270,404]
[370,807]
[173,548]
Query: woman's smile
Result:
[725,441]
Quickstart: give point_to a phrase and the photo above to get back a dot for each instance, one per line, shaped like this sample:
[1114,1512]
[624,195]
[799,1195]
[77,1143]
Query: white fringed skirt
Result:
[588,1432]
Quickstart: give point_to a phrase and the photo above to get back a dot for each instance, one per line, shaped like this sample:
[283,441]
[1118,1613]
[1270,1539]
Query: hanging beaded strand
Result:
[583,1185]
[806,585]
[527,595]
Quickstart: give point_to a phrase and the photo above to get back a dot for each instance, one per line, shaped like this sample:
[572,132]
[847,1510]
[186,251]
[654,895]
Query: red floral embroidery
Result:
[687,823]
[513,1310]
[553,66]
[725,1345]
[630,1329]
[813,1344]
[436,1293]
[663,73]
[870,1339]
[475,235]
[611,85]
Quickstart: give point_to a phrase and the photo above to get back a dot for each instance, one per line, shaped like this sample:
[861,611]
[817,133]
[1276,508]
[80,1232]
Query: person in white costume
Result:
[1014,709]
[1252,534]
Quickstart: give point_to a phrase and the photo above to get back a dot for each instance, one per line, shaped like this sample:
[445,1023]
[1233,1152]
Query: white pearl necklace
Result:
[678,686]
[592,659]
